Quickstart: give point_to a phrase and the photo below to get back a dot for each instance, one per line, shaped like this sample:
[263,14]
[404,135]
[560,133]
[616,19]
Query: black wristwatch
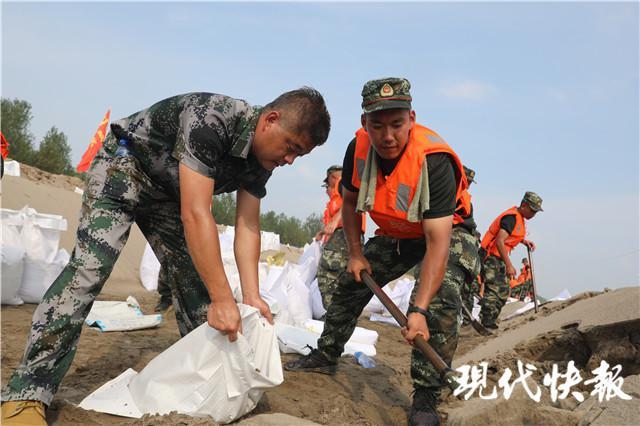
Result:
[413,309]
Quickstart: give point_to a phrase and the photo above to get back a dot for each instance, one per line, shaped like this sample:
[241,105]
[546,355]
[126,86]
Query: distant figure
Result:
[335,253]
[505,233]
[465,243]
[525,283]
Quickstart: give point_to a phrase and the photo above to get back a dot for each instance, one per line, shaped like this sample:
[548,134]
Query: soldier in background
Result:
[505,233]
[335,253]
[466,235]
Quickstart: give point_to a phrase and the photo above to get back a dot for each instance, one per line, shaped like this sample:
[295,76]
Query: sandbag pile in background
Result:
[31,260]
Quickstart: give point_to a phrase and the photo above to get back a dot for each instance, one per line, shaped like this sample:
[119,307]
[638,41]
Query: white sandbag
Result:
[360,334]
[203,374]
[39,233]
[269,241]
[297,301]
[317,307]
[12,168]
[298,340]
[11,277]
[114,397]
[39,274]
[311,251]
[149,269]
[400,294]
[120,316]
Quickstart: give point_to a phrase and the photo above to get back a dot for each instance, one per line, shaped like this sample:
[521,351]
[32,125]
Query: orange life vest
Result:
[517,235]
[333,206]
[525,275]
[463,207]
[395,192]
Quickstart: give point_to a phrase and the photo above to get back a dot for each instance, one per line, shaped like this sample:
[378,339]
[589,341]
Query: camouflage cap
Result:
[533,200]
[386,93]
[469,173]
[334,168]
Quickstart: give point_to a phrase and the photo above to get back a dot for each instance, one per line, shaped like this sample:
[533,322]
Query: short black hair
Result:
[304,111]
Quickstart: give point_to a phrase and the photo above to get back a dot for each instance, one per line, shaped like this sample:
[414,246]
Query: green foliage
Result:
[292,230]
[224,209]
[54,155]
[16,118]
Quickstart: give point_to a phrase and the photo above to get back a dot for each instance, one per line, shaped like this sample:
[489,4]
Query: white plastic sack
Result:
[317,308]
[120,316]
[39,233]
[269,241]
[12,168]
[292,295]
[149,269]
[39,274]
[11,278]
[203,374]
[311,251]
[360,334]
[298,340]
[400,295]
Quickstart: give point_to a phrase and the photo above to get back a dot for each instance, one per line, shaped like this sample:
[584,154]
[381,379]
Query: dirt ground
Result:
[587,328]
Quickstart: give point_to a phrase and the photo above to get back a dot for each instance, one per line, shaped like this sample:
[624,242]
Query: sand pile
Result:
[585,329]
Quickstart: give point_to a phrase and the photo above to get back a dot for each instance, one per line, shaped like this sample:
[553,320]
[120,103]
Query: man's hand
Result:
[416,325]
[529,244]
[511,271]
[263,307]
[225,317]
[329,228]
[357,264]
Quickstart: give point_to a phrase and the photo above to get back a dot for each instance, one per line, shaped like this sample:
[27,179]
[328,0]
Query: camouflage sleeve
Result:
[201,142]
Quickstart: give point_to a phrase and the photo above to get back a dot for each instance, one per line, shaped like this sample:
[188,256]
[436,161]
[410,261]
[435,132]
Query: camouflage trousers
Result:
[464,247]
[118,193]
[496,290]
[390,259]
[335,255]
[467,293]
[521,291]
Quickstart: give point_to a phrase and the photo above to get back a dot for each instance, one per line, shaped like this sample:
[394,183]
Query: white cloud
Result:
[468,90]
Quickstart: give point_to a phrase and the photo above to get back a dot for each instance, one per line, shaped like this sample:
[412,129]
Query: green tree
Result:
[15,120]
[54,155]
[224,209]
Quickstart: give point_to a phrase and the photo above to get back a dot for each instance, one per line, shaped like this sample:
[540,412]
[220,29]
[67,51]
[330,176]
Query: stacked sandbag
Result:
[37,237]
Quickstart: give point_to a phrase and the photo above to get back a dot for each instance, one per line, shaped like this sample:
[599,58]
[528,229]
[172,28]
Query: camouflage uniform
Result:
[334,259]
[469,290]
[390,259]
[209,133]
[496,290]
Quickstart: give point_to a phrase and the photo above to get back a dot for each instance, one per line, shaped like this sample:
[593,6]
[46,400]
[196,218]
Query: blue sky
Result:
[533,96]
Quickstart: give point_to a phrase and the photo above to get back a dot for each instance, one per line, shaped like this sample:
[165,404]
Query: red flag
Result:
[95,144]
[4,146]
